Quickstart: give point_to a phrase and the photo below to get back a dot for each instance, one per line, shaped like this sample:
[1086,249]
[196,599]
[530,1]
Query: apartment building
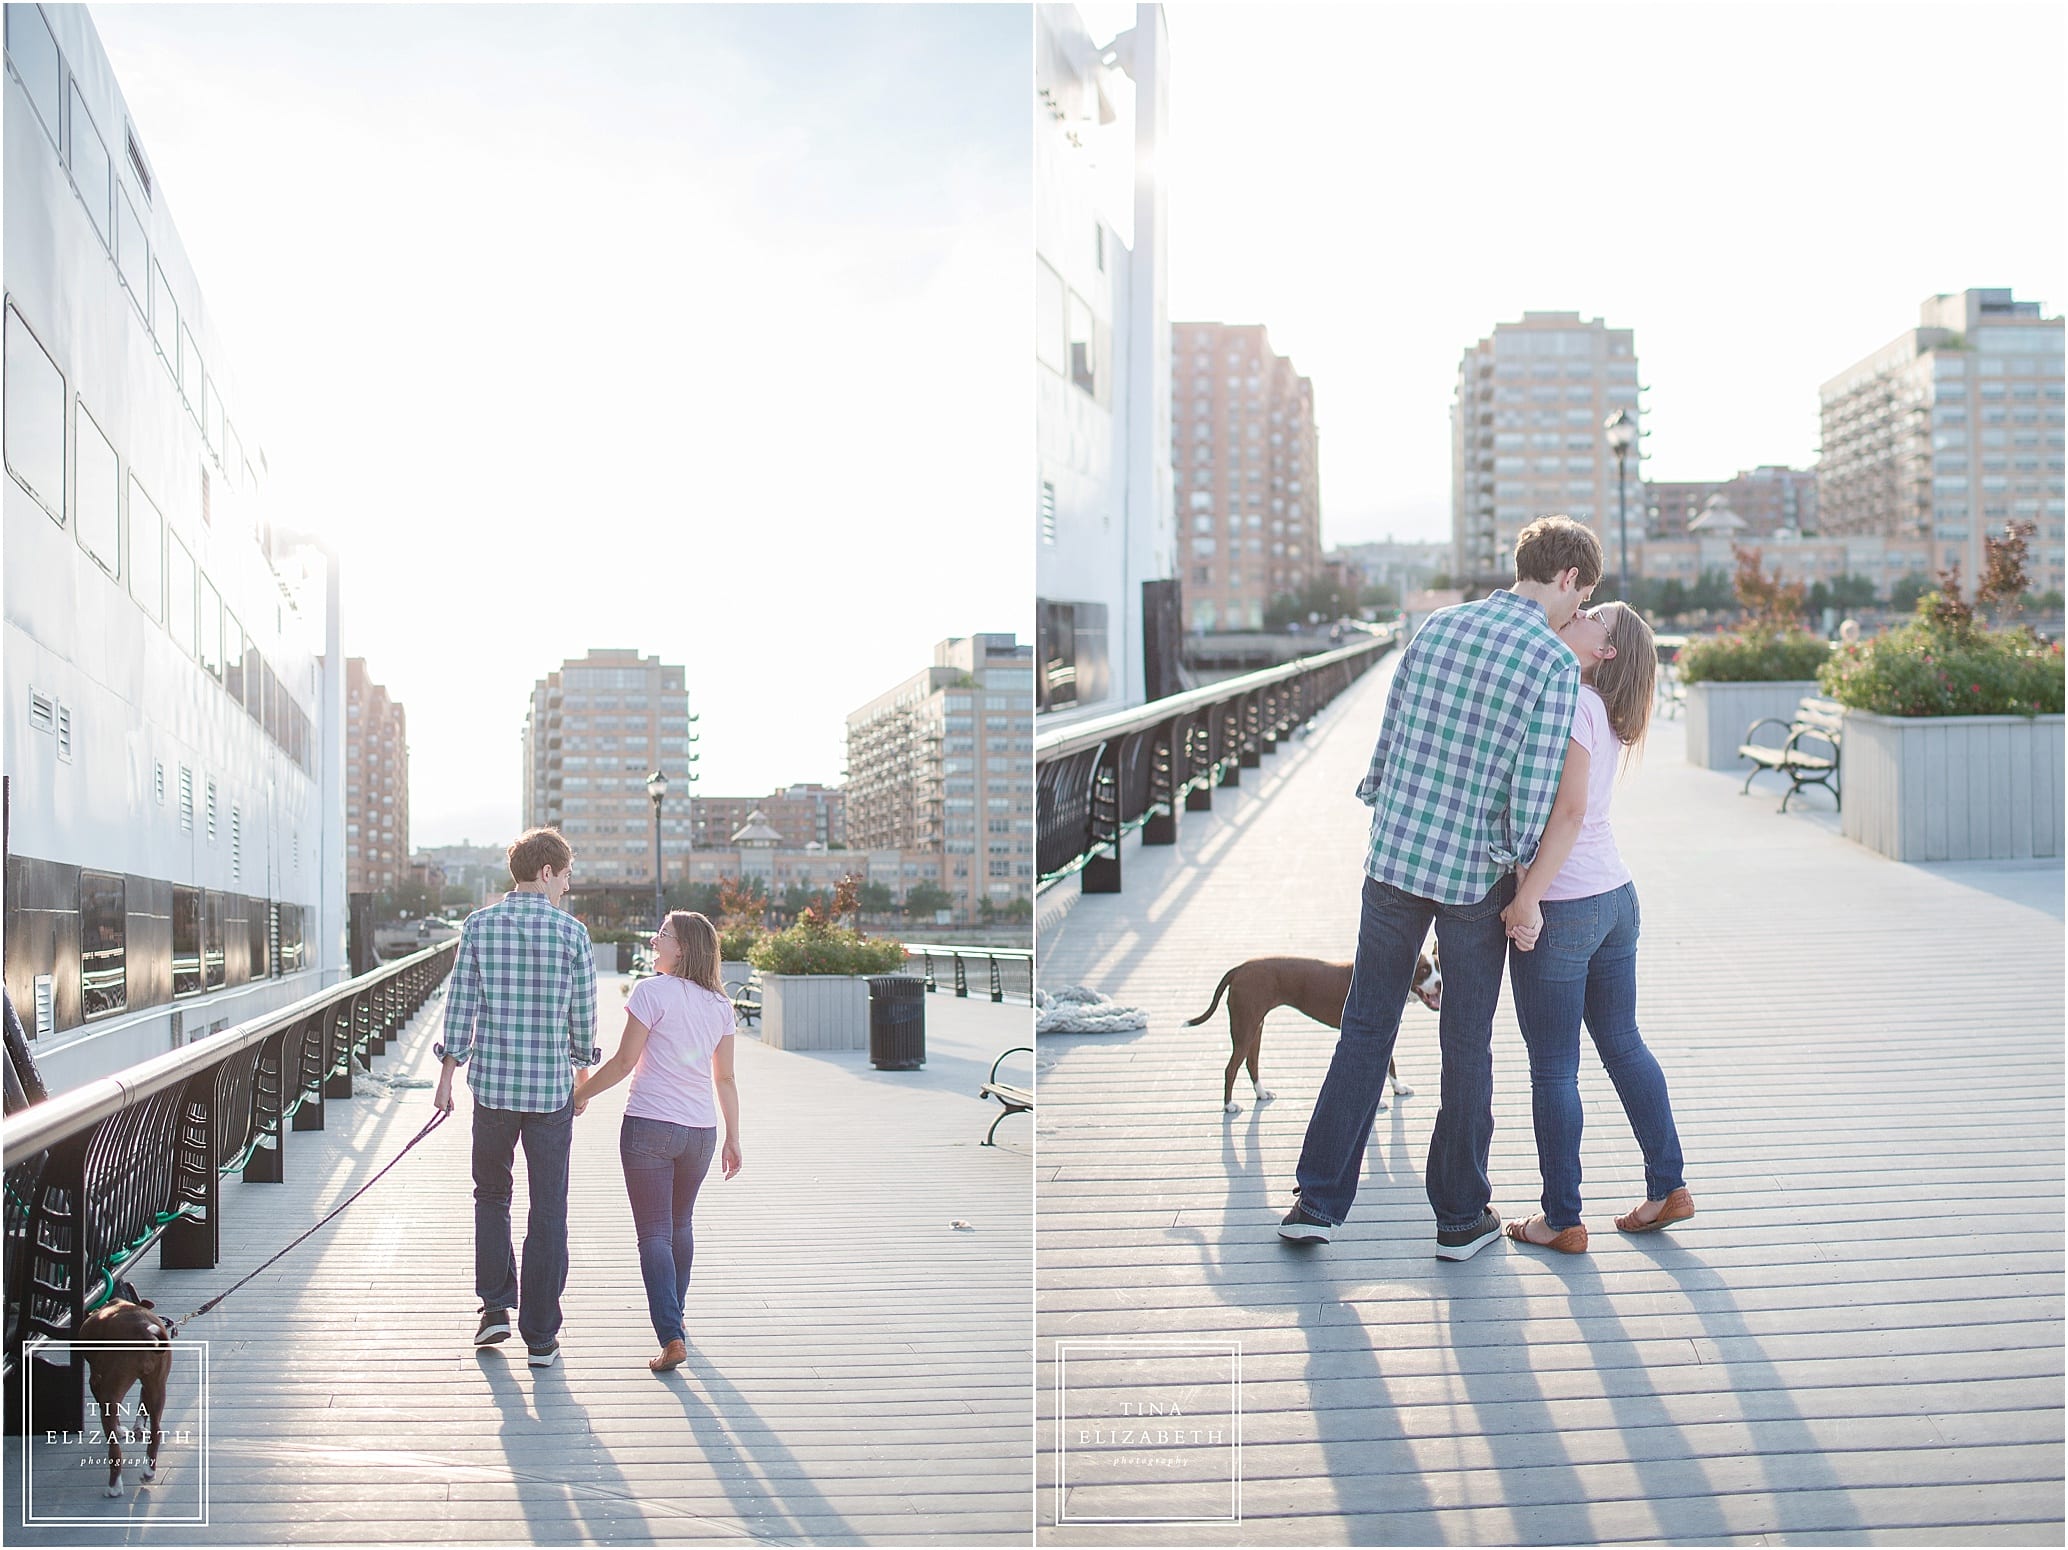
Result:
[1244,456]
[376,785]
[598,726]
[1950,431]
[1527,439]
[943,765]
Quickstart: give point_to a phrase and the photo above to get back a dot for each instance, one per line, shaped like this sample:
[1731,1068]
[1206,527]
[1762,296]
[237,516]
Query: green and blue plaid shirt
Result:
[520,1008]
[1471,750]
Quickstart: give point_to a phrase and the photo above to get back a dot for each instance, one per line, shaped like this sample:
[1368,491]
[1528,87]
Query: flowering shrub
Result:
[815,945]
[1943,664]
[1758,656]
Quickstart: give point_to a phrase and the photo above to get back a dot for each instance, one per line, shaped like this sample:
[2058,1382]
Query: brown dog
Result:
[1308,985]
[136,1347]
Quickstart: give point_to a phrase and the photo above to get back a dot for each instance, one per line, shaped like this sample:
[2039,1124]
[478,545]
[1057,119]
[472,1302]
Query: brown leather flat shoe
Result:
[1678,1207]
[671,1358]
[1569,1240]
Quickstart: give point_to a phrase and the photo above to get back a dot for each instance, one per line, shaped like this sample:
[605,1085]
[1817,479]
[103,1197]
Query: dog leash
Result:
[438,1117]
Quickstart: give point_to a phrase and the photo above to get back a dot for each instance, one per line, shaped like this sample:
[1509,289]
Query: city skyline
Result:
[1375,234]
[775,279]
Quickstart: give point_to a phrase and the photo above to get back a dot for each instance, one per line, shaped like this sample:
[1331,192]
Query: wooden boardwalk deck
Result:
[1858,1340]
[858,1369]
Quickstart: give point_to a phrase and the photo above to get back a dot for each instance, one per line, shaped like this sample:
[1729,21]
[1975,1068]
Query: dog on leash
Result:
[1308,985]
[135,1346]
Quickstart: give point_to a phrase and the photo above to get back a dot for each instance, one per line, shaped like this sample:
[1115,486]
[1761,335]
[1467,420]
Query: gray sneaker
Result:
[1464,1242]
[1302,1226]
[543,1355]
[495,1326]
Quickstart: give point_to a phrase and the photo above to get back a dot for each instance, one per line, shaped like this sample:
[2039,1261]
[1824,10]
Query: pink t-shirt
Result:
[684,1023]
[1594,866]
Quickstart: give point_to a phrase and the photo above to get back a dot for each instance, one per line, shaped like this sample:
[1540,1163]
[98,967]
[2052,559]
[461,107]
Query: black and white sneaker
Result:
[543,1355]
[1302,1226]
[1464,1242]
[495,1327]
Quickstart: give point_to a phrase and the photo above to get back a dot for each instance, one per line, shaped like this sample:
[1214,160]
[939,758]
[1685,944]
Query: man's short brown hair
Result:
[536,849]
[1551,546]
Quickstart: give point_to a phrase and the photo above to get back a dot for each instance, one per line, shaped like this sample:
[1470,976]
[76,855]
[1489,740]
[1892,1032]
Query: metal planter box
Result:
[814,1011]
[1954,788]
[1719,713]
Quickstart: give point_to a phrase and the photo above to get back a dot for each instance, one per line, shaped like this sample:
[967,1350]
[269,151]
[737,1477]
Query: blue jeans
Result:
[1585,965]
[1389,938]
[665,1165]
[546,1139]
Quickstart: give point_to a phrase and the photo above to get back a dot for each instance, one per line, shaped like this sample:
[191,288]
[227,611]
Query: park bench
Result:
[1819,723]
[1017,1100]
[746,1002]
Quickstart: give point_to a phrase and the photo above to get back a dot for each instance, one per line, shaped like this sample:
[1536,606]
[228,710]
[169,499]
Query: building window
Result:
[146,552]
[181,608]
[190,371]
[92,172]
[211,627]
[1050,327]
[97,497]
[34,410]
[213,963]
[132,252]
[1084,347]
[103,977]
[34,55]
[186,940]
[165,320]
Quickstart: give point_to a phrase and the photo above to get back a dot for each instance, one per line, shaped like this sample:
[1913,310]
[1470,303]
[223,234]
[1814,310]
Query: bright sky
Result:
[1763,193]
[700,330]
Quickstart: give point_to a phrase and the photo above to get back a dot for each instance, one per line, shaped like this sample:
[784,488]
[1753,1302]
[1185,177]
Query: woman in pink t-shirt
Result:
[1573,950]
[678,1049]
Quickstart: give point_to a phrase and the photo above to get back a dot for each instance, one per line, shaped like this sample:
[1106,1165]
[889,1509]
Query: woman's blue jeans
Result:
[664,1166]
[1584,966]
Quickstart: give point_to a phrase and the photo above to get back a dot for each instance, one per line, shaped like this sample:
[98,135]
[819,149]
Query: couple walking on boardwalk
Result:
[1490,790]
[520,1015]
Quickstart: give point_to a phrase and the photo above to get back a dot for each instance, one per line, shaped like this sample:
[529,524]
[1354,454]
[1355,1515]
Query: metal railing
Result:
[95,1176]
[1011,968]
[1101,780]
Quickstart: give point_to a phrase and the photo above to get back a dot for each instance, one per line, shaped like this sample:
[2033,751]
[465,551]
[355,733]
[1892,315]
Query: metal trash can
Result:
[897,1022]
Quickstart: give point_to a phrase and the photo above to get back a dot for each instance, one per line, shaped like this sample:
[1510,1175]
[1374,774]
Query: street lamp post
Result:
[1622,436]
[657,788]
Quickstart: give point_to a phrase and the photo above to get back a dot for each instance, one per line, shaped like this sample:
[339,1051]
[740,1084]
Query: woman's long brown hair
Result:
[1627,680]
[696,949]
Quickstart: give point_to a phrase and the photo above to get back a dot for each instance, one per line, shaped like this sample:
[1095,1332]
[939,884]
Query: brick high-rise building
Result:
[804,814]
[597,727]
[1244,459]
[944,764]
[1527,439]
[1950,431]
[376,785]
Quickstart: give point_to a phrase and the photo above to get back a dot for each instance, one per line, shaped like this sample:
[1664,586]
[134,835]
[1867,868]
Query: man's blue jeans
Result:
[1585,965]
[664,1166]
[547,1138]
[1474,947]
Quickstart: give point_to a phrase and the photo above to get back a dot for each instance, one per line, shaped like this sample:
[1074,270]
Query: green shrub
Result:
[1755,657]
[1937,665]
[734,942]
[816,946]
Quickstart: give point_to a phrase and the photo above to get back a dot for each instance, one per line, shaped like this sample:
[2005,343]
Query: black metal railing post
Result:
[193,1239]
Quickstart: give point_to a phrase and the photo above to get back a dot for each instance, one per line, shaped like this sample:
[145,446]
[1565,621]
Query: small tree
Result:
[876,898]
[1944,609]
[1771,605]
[1903,595]
[2004,582]
[922,900]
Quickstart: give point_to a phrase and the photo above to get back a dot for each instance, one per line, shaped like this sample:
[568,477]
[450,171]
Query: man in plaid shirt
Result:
[520,1015]
[1461,784]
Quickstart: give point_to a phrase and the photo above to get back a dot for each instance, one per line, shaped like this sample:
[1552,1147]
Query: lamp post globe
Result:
[1622,436]
[657,788]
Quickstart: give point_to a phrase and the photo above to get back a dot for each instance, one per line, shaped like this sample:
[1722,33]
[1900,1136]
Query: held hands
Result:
[1524,922]
[729,1157]
[581,1081]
